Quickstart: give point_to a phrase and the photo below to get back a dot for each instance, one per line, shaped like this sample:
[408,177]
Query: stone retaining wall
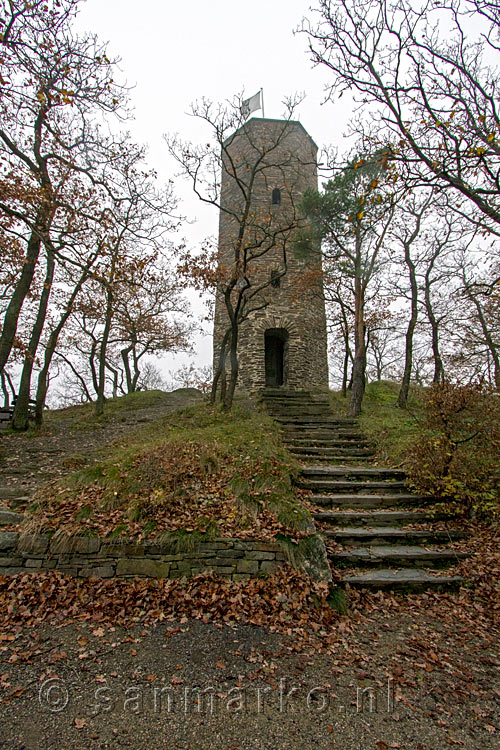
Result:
[103,558]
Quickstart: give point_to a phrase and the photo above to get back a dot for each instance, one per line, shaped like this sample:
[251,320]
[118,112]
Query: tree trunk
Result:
[75,372]
[405,382]
[137,372]
[358,383]
[21,411]
[101,382]
[347,356]
[438,376]
[233,355]
[93,371]
[359,365]
[11,318]
[6,397]
[43,377]
[223,386]
[345,373]
[6,384]
[221,364]
[126,365]
[114,372]
[492,348]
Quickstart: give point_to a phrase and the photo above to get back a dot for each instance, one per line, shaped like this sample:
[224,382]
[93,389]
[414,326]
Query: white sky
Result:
[175,52]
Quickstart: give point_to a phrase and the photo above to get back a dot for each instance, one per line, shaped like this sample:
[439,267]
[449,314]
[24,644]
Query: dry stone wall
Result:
[236,559]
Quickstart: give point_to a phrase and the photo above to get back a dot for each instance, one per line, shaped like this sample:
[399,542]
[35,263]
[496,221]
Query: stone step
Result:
[388,535]
[375,518]
[369,472]
[12,492]
[346,449]
[326,429]
[346,438]
[325,443]
[300,416]
[400,556]
[278,392]
[311,457]
[287,405]
[334,459]
[403,579]
[283,393]
[8,517]
[315,450]
[316,422]
[350,486]
[369,501]
[295,404]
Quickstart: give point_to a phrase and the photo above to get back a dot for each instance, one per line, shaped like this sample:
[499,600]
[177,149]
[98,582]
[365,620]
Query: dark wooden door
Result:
[275,350]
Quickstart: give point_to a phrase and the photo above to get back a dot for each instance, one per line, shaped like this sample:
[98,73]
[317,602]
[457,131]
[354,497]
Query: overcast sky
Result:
[175,52]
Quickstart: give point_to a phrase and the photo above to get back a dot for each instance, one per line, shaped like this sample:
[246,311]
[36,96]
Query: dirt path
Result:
[394,683]
[68,441]
[417,673]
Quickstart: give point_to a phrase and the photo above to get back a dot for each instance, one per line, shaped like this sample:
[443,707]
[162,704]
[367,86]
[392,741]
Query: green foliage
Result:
[83,414]
[182,540]
[85,411]
[448,440]
[337,600]
[352,198]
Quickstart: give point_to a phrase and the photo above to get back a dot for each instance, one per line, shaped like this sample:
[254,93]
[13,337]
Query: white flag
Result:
[250,105]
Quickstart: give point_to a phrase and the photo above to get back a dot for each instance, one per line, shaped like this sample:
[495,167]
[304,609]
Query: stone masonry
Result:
[84,557]
[266,168]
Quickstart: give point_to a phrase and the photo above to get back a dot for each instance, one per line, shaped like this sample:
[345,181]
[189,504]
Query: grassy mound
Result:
[196,473]
[82,415]
[391,429]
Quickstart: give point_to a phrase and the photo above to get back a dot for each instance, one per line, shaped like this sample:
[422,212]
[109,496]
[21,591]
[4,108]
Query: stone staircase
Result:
[10,498]
[378,533]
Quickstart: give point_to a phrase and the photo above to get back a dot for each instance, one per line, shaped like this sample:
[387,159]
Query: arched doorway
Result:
[276,352]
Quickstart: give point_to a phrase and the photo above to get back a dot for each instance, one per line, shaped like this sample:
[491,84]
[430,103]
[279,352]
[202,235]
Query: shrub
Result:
[456,456]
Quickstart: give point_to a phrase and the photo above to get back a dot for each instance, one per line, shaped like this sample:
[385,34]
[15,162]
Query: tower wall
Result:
[286,155]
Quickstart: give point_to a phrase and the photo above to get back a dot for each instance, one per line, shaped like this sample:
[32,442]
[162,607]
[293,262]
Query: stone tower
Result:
[267,165]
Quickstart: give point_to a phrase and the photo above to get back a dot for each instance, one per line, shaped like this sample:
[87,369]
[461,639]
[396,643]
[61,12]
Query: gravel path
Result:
[394,683]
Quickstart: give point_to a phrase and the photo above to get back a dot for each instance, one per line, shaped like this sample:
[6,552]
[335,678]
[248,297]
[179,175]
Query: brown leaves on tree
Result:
[456,454]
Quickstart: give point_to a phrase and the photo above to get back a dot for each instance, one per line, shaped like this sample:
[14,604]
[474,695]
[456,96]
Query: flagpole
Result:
[262,100]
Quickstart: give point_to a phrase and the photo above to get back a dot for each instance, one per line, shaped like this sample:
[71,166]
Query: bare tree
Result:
[421,72]
[55,85]
[481,326]
[238,162]
[150,318]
